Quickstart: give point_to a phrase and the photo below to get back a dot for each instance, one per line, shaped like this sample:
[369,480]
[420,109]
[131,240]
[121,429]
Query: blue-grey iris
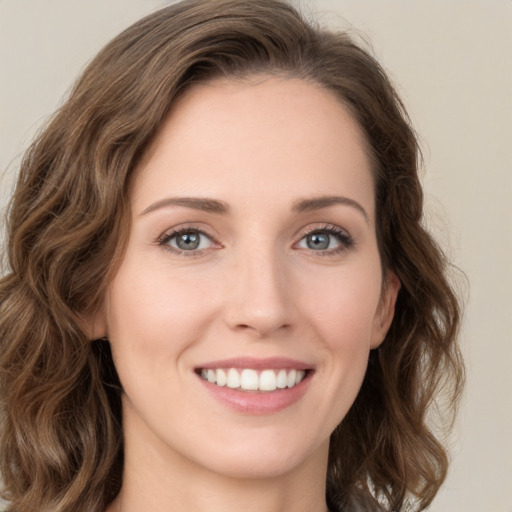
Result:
[318,241]
[188,241]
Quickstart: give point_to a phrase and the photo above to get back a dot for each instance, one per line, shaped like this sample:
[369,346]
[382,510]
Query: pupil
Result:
[319,241]
[188,241]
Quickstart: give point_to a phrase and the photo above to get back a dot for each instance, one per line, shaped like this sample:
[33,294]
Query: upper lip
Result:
[270,363]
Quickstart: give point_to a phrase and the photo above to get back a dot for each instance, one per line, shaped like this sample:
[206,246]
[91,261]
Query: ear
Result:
[386,309]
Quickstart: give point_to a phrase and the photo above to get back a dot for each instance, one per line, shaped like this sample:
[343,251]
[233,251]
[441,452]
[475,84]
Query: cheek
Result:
[152,317]
[342,310]
[343,307]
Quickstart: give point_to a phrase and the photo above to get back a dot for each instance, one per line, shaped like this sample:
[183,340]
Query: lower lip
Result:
[253,402]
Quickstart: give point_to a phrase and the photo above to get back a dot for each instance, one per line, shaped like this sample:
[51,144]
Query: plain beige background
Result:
[451,60]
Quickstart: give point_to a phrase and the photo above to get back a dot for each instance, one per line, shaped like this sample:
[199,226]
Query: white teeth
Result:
[222,378]
[282,379]
[290,379]
[268,380]
[249,380]
[233,379]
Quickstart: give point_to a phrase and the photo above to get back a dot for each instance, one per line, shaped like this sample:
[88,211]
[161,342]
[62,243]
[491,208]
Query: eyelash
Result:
[167,237]
[345,240]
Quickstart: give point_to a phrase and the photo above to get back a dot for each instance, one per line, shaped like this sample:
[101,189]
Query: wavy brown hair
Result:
[61,440]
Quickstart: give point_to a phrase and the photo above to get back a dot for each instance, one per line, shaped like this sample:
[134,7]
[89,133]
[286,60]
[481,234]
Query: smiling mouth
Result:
[249,379]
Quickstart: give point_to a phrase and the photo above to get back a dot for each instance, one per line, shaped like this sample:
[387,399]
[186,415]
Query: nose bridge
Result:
[260,299]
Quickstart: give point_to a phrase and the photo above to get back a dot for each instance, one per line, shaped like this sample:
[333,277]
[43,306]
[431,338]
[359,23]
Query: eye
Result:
[186,240]
[327,240]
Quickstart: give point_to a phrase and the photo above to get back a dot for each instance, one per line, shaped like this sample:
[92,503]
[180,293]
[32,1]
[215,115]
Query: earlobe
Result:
[386,310]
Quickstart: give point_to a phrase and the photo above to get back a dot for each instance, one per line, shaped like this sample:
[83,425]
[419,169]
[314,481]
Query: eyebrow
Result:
[220,207]
[196,203]
[317,203]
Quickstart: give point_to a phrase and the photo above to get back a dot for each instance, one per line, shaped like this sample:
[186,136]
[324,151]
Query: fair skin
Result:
[252,247]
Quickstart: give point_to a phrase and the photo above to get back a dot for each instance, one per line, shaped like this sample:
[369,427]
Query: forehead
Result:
[248,137]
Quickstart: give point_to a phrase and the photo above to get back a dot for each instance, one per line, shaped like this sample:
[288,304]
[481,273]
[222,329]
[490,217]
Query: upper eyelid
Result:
[188,227]
[321,226]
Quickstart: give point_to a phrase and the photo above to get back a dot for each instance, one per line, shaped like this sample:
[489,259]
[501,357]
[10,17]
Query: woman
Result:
[220,293]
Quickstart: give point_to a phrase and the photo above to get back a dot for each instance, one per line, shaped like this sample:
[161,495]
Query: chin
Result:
[266,460]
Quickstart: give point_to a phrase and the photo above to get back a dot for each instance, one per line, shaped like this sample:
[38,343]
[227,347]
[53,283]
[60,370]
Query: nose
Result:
[259,302]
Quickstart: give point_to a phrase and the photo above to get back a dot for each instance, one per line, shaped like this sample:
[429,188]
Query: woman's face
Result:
[252,261]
